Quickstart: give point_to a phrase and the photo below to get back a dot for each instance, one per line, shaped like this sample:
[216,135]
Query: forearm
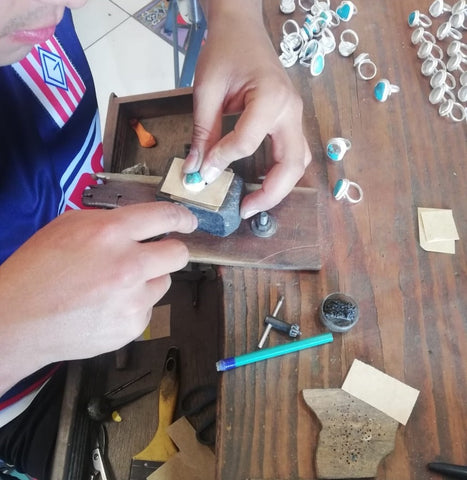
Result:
[215,8]
[19,347]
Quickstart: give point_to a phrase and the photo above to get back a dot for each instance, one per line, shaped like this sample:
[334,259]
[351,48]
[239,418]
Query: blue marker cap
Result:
[225,364]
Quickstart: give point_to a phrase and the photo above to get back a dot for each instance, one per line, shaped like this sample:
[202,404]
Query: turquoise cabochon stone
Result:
[344,11]
[338,187]
[380,91]
[333,152]
[318,64]
[194,177]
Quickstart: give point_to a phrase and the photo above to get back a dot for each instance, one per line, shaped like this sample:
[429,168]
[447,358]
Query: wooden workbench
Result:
[413,307]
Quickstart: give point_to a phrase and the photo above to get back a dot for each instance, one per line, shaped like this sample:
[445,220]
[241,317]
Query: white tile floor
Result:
[126,58]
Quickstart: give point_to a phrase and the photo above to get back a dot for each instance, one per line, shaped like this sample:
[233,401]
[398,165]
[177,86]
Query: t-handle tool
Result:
[291,329]
[269,326]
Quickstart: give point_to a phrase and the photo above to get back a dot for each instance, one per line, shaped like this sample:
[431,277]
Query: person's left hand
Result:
[239,71]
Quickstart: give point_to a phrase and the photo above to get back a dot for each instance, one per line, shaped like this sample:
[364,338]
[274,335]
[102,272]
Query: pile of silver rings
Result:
[309,43]
[446,67]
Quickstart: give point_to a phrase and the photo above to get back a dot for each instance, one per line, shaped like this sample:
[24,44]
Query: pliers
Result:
[100,463]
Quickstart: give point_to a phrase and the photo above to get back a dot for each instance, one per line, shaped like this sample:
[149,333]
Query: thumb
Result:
[207,127]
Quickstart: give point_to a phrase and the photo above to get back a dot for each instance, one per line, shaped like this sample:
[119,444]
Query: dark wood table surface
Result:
[413,303]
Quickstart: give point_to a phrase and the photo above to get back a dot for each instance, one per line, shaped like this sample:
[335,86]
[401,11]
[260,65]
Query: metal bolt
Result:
[263,225]
[269,326]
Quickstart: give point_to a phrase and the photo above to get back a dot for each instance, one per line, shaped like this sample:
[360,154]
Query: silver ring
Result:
[320,6]
[462,93]
[454,110]
[463,78]
[342,190]
[458,7]
[312,26]
[427,49]
[457,20]
[331,18]
[420,35]
[346,10]
[287,6]
[308,51]
[327,41]
[337,147]
[288,59]
[363,62]
[430,66]
[417,19]
[317,63]
[447,30]
[443,77]
[306,8]
[438,7]
[384,89]
[347,47]
[290,22]
[438,95]
[456,47]
[456,63]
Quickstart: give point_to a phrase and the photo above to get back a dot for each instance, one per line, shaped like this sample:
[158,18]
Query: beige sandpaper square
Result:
[438,224]
[385,393]
[440,246]
[212,196]
[194,461]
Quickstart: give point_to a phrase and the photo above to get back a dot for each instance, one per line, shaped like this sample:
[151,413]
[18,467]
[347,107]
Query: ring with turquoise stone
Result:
[337,147]
[317,63]
[194,182]
[342,188]
[417,19]
[383,89]
[346,10]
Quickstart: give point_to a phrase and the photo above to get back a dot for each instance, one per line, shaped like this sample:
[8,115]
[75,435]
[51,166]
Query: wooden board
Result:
[294,246]
[355,436]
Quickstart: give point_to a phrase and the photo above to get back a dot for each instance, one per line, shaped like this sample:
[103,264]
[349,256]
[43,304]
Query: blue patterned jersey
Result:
[50,144]
[50,141]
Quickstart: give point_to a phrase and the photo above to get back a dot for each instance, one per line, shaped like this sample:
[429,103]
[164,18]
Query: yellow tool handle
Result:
[161,447]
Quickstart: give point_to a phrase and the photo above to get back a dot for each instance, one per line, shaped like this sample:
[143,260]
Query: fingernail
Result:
[192,162]
[210,174]
[248,214]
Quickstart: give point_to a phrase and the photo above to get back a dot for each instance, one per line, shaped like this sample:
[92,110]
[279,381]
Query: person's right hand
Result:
[85,284]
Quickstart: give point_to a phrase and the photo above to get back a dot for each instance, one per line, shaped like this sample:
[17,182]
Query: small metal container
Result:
[339,312]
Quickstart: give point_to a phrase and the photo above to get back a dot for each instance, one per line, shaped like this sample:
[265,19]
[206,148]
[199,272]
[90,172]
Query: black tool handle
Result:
[454,471]
[277,324]
[282,326]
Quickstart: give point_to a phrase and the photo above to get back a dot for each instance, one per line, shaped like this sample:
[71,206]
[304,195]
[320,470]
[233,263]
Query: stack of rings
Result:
[442,72]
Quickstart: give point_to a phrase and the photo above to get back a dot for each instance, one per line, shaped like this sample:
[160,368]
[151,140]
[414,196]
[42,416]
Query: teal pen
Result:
[265,353]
